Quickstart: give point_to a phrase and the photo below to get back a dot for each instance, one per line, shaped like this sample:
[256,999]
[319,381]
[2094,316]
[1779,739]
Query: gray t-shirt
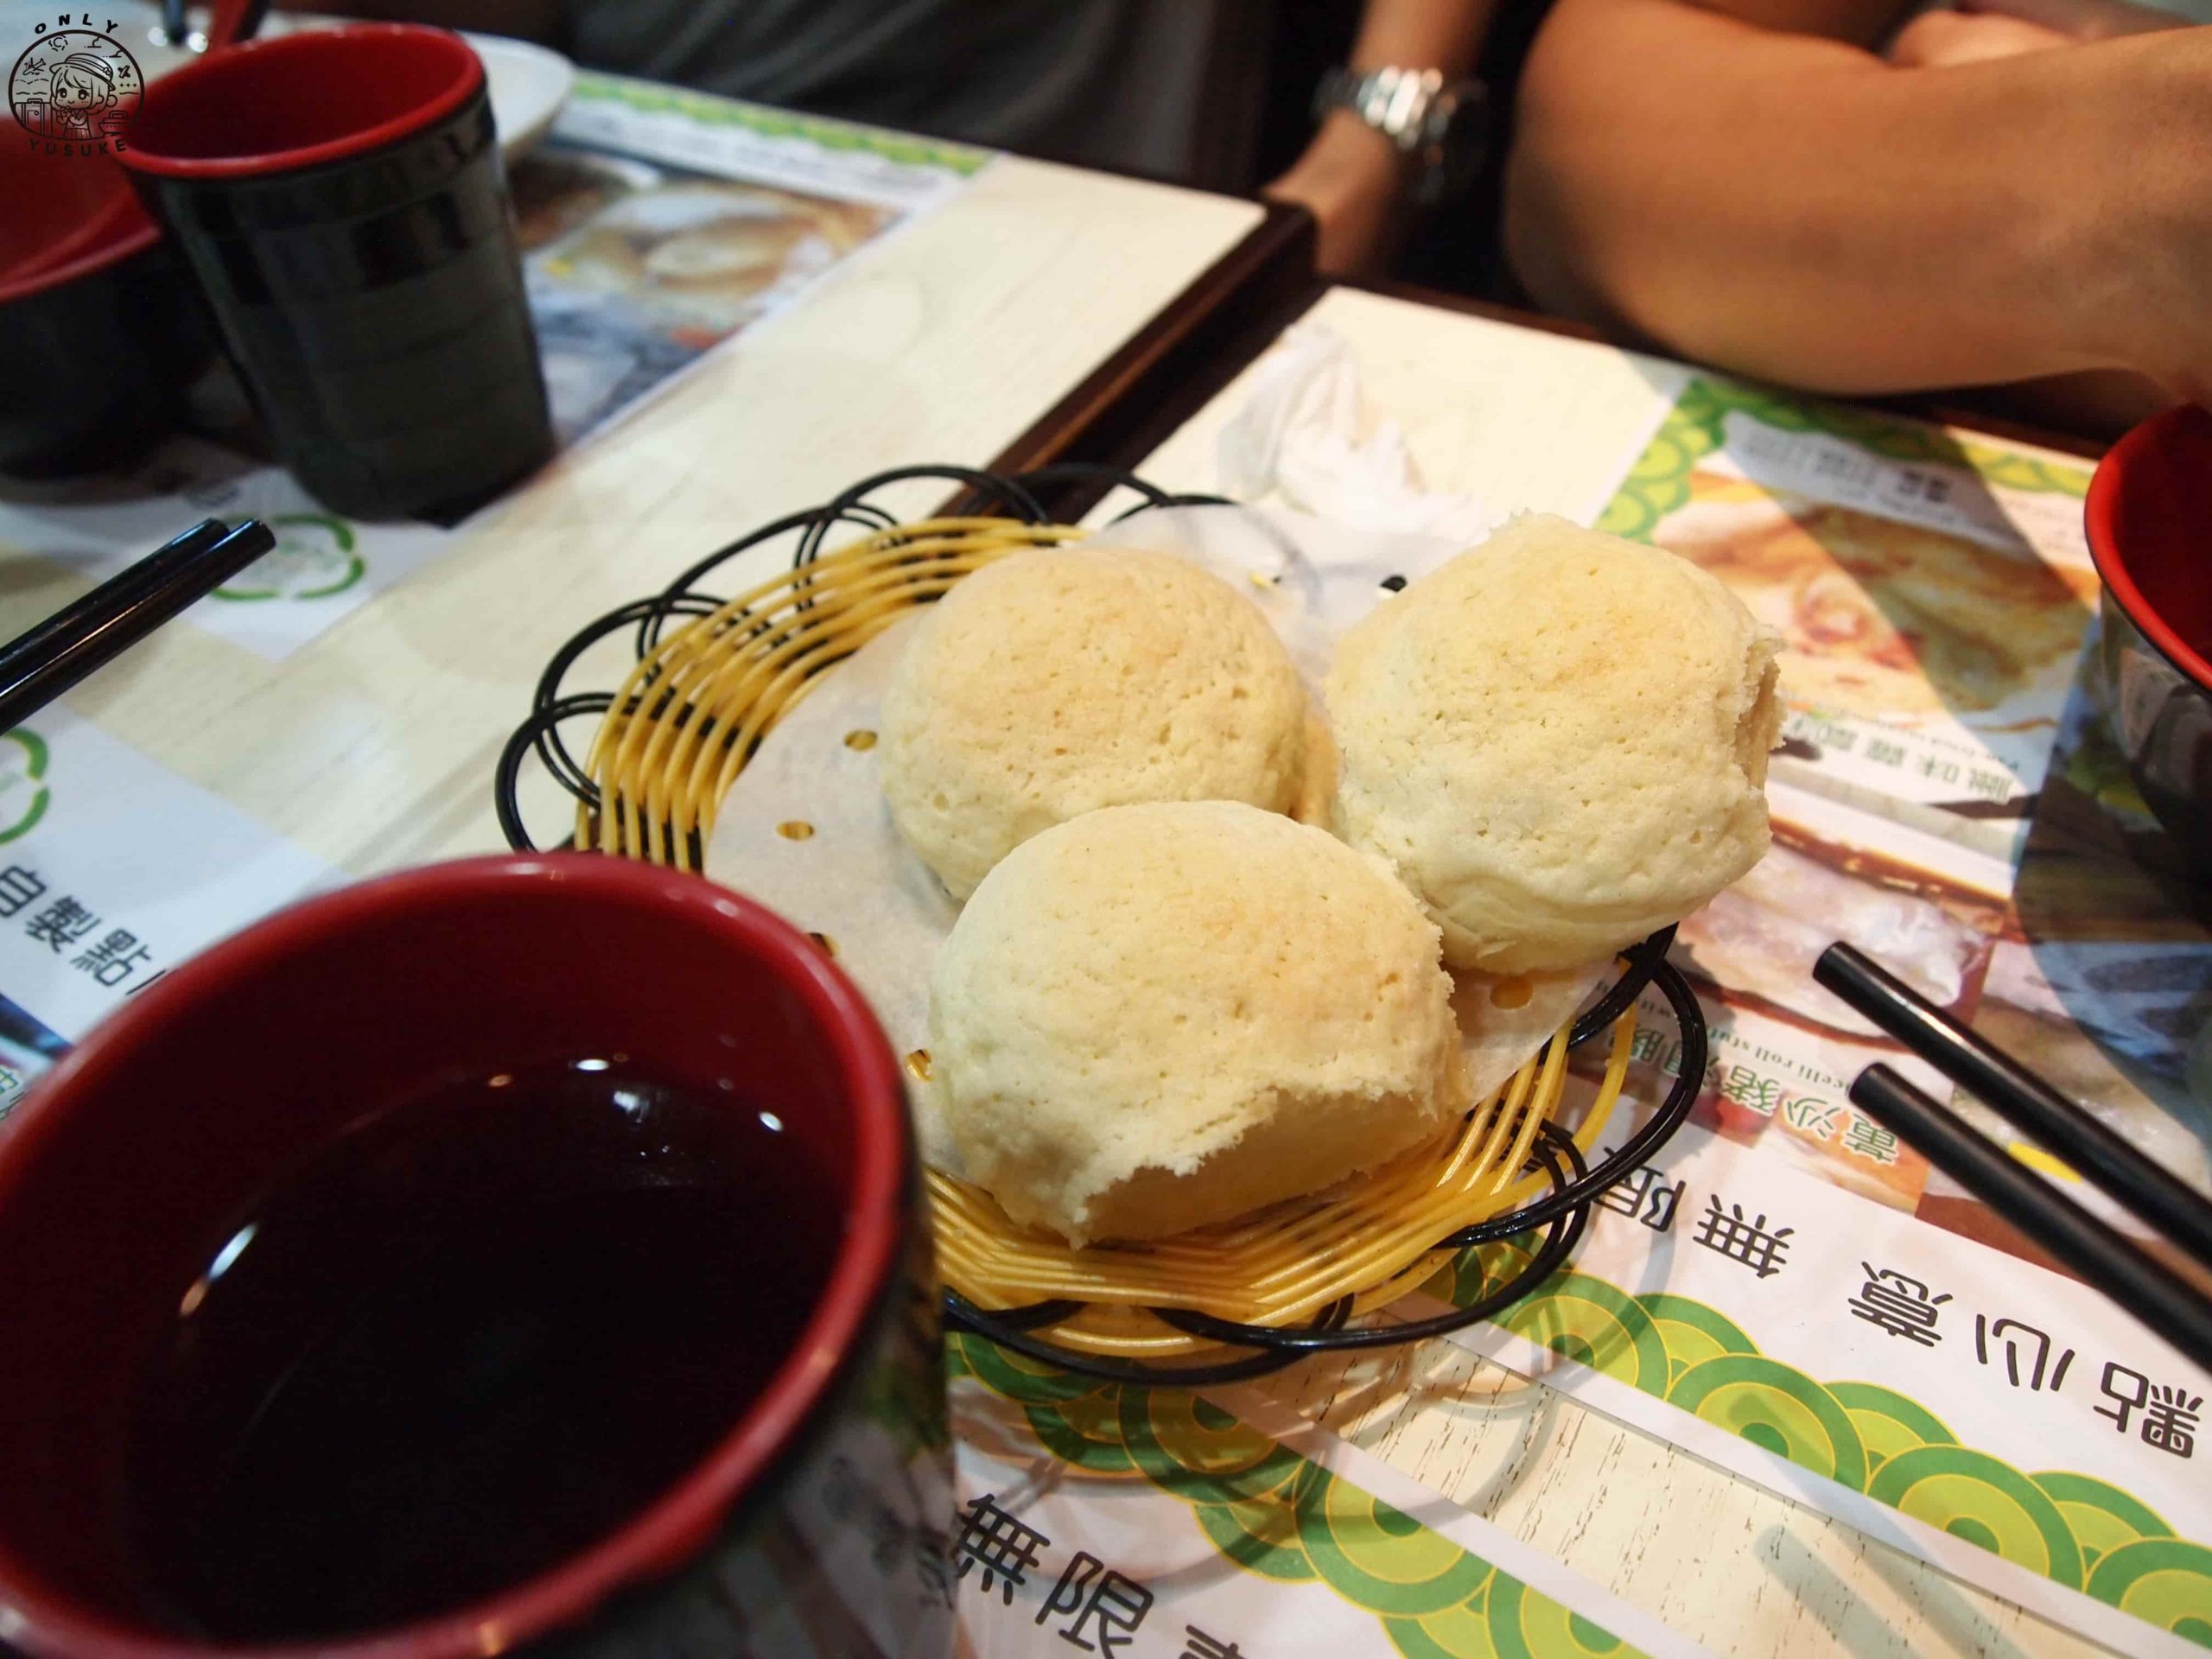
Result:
[1161,87]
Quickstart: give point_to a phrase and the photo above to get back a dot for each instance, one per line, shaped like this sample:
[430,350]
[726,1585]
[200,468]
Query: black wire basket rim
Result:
[1570,1198]
[1563,1213]
[1326,1334]
[539,734]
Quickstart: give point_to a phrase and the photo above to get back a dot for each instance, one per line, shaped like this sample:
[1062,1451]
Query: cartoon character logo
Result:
[75,87]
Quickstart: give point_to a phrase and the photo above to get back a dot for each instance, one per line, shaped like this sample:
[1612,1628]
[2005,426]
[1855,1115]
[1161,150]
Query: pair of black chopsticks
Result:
[2166,1302]
[38,666]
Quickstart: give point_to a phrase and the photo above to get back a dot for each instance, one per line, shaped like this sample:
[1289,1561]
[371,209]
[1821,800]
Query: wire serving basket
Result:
[711,676]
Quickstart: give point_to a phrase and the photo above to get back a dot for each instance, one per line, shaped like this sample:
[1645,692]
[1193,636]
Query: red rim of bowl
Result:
[673,1529]
[2102,509]
[106,254]
[464,86]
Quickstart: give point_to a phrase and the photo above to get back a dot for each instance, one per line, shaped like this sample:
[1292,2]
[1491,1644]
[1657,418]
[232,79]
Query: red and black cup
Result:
[2150,528]
[99,330]
[812,1526]
[339,196]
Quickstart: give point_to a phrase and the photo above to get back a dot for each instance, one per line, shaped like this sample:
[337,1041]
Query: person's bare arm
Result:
[1350,176]
[1762,191]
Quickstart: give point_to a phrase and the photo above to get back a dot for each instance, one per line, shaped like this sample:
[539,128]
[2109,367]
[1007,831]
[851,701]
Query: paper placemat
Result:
[113,870]
[1789,1292]
[1216,1526]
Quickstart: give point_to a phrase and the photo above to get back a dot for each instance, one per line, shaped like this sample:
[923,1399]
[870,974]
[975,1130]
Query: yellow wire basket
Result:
[1231,1299]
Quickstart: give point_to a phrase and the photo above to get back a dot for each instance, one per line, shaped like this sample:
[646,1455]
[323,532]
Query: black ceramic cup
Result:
[100,331]
[339,197]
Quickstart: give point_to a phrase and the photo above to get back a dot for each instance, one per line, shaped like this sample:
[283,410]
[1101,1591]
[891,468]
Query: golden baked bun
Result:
[1064,679]
[1559,740]
[1153,1017]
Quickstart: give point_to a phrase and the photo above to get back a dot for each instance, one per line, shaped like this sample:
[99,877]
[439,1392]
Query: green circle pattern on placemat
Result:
[1691,1332]
[1779,1407]
[1086,1432]
[1024,1380]
[314,557]
[1526,1625]
[1473,1273]
[1588,1321]
[2068,1528]
[1273,1513]
[1887,1423]
[1194,1450]
[1379,1557]
[31,773]
[1280,1516]
[1985,1501]
[2101,1516]
[1461,1632]
[1261,1535]
[1658,483]
[2166,1582]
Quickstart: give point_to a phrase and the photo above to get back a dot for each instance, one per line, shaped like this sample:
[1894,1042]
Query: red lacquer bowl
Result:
[2150,528]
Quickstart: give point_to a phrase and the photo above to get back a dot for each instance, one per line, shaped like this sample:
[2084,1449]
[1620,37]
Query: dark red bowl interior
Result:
[213,1084]
[300,100]
[63,217]
[2150,526]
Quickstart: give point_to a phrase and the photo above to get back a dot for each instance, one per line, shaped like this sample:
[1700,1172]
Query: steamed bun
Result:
[1066,679]
[1559,740]
[1153,1017]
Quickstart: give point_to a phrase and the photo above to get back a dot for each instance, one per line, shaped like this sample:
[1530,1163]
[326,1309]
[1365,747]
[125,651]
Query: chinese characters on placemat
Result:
[657,226]
[2009,1424]
[1088,1595]
[113,871]
[1167,1526]
[1810,1294]
[1900,1305]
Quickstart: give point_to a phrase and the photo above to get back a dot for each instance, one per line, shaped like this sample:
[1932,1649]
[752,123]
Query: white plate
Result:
[530,84]
[530,87]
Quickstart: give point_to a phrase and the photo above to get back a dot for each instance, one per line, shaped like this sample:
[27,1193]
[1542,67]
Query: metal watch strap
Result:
[1414,108]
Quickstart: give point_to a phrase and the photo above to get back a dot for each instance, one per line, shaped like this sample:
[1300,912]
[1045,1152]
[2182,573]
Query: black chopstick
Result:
[2168,1304]
[2167,1206]
[39,664]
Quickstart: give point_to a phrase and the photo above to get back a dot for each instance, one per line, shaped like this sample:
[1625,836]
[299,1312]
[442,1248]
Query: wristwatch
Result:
[1440,127]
